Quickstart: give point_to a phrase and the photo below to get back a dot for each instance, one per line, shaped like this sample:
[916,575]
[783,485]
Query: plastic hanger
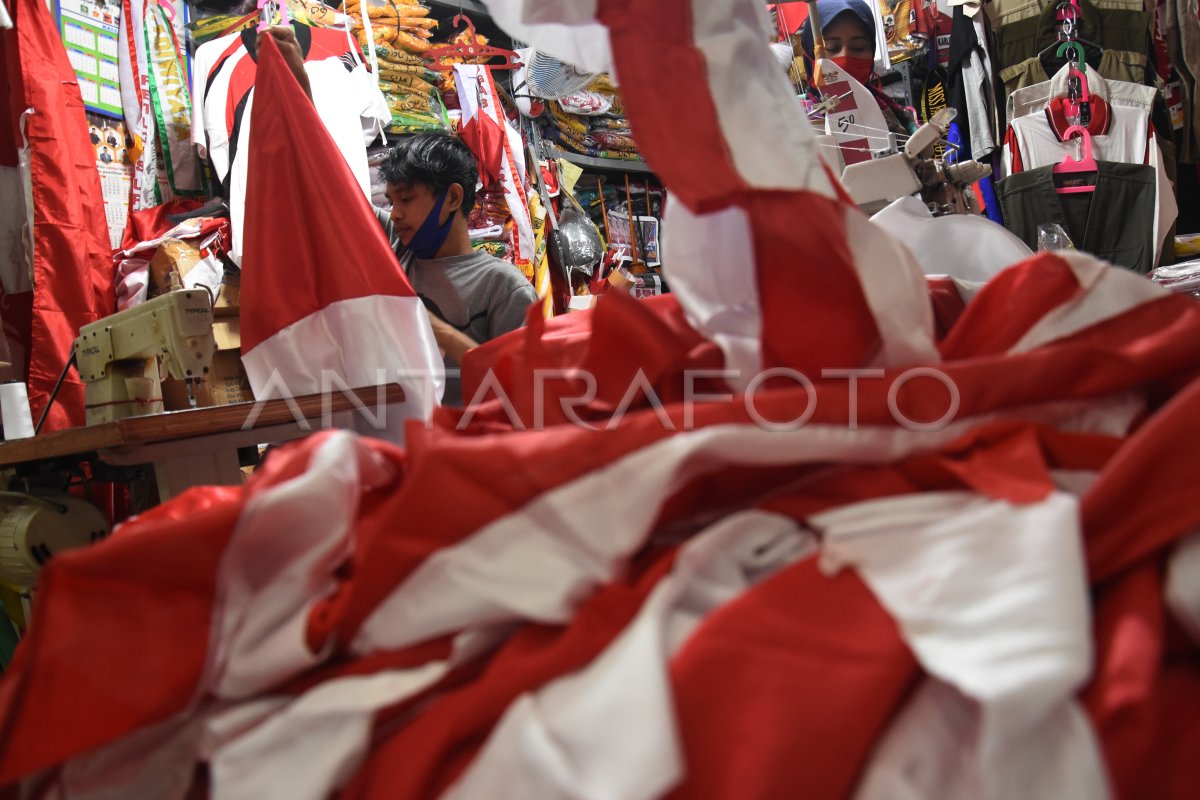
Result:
[1072,166]
[470,50]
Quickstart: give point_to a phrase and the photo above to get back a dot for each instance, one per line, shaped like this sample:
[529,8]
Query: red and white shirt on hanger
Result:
[343,91]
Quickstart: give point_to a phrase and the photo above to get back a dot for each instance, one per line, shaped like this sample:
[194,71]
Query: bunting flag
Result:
[72,273]
[325,303]
[686,547]
[498,147]
[171,102]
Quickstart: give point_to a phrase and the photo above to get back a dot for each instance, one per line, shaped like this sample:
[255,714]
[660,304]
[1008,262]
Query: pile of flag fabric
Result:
[592,122]
[399,32]
[767,536]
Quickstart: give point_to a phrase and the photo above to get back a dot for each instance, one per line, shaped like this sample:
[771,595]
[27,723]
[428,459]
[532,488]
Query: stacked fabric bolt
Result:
[592,122]
[400,31]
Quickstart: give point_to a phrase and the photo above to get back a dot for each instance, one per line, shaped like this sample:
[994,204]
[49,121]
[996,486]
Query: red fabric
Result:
[286,255]
[66,693]
[151,223]
[437,745]
[73,277]
[1153,465]
[130,674]
[800,648]
[947,303]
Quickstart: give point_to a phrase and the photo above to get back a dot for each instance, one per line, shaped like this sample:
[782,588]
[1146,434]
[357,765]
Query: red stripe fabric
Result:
[287,255]
[73,277]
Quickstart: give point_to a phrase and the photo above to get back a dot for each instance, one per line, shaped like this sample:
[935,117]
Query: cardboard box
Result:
[180,264]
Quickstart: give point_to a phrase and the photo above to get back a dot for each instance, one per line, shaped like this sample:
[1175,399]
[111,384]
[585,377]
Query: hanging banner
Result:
[171,102]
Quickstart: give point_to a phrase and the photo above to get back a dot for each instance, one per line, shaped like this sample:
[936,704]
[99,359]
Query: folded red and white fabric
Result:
[934,566]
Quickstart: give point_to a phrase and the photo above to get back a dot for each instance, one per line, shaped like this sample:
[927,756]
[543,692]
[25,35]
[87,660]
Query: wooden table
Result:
[197,447]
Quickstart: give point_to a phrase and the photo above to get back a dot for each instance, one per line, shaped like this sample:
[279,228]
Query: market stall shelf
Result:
[615,164]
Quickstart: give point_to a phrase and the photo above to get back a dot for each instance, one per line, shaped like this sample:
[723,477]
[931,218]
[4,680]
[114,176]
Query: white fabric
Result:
[962,246]
[1183,585]
[1166,208]
[264,595]
[1031,99]
[314,743]
[755,101]
[564,29]
[721,303]
[981,100]
[896,293]
[609,731]
[347,101]
[334,349]
[5,19]
[1127,140]
[993,600]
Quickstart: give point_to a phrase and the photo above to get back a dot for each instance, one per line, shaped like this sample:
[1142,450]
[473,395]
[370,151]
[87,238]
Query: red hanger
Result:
[1070,166]
[469,50]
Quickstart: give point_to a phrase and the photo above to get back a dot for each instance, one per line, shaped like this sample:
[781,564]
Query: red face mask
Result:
[856,67]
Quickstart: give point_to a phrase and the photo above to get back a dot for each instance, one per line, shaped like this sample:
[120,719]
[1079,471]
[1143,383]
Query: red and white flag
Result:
[325,303]
[775,582]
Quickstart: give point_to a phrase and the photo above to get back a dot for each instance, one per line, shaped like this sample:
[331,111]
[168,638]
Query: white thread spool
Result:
[14,411]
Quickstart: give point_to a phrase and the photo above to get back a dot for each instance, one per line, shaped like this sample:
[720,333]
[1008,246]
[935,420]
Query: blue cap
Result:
[831,10]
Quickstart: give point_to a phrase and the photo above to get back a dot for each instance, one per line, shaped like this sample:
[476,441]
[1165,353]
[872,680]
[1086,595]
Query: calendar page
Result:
[116,172]
[89,32]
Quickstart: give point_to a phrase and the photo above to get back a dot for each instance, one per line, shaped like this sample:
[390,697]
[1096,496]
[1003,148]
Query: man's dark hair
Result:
[435,160]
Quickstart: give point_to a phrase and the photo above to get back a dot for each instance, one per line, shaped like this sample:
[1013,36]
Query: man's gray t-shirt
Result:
[478,294]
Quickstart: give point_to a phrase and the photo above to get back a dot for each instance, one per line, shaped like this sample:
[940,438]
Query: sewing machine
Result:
[118,356]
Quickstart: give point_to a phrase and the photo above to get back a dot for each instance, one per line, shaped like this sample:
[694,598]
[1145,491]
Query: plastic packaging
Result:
[1051,236]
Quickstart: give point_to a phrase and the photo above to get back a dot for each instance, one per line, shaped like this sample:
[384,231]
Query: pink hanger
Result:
[1070,166]
[264,17]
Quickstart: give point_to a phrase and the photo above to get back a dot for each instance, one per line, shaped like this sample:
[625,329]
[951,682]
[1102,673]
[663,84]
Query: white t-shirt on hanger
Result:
[344,93]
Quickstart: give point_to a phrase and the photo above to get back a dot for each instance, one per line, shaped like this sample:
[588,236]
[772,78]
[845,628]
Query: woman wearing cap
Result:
[848,27]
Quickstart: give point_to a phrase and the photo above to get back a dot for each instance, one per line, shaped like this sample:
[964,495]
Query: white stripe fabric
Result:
[1105,292]
[993,599]
[269,583]
[365,341]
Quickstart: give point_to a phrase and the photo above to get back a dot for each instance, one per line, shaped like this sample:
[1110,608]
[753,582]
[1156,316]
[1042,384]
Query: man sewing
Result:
[431,178]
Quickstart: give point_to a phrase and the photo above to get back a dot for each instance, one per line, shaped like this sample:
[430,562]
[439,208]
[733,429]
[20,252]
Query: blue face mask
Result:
[432,234]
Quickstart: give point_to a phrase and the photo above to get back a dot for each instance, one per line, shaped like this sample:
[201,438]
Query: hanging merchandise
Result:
[72,277]
[1119,132]
[320,305]
[395,35]
[1115,213]
[1114,33]
[592,122]
[500,150]
[171,101]
[343,92]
